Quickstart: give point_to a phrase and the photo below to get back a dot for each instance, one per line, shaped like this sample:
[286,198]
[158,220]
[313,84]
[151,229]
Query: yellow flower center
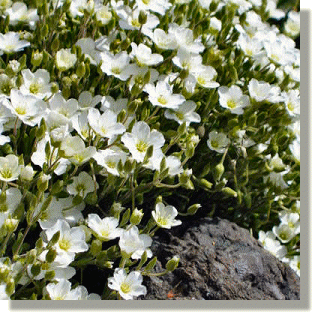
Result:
[21,110]
[231,104]
[125,288]
[116,70]
[64,244]
[146,1]
[141,146]
[135,23]
[162,221]
[34,88]
[290,106]
[111,164]
[162,100]
[180,115]
[201,80]
[214,144]
[283,235]
[6,173]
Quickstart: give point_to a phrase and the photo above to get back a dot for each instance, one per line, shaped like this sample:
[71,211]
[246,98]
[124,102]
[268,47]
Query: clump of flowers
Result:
[118,118]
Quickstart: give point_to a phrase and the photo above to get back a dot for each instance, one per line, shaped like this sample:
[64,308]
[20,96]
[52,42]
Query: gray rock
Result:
[218,261]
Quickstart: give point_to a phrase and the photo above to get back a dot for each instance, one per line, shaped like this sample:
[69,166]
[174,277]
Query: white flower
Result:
[292,219]
[59,208]
[133,244]
[78,7]
[292,102]
[81,185]
[185,40]
[159,6]
[62,291]
[105,125]
[128,285]
[71,241]
[103,14]
[9,168]
[163,40]
[294,263]
[204,76]
[184,113]
[13,199]
[88,48]
[37,84]
[218,141]
[295,149]
[233,99]
[129,20]
[29,109]
[140,139]
[261,90]
[81,125]
[174,165]
[274,247]
[292,25]
[10,42]
[76,151]
[116,65]
[6,84]
[104,229]
[164,216]
[39,156]
[65,59]
[161,95]
[110,158]
[86,100]
[144,55]
[64,109]
[19,12]
[283,232]
[138,75]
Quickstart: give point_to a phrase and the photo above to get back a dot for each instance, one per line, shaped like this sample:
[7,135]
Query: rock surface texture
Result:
[218,261]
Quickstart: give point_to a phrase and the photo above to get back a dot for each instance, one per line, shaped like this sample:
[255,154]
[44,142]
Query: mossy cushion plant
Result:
[118,118]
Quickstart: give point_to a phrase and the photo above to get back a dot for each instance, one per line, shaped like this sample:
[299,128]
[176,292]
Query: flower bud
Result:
[27,173]
[229,192]
[81,70]
[136,217]
[193,209]
[172,264]
[36,58]
[218,171]
[142,17]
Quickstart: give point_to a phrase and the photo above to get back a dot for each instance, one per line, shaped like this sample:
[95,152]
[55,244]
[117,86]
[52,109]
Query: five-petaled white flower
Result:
[218,141]
[128,285]
[10,42]
[104,229]
[140,139]
[233,99]
[161,95]
[9,168]
[65,59]
[70,242]
[164,216]
[82,185]
[133,244]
